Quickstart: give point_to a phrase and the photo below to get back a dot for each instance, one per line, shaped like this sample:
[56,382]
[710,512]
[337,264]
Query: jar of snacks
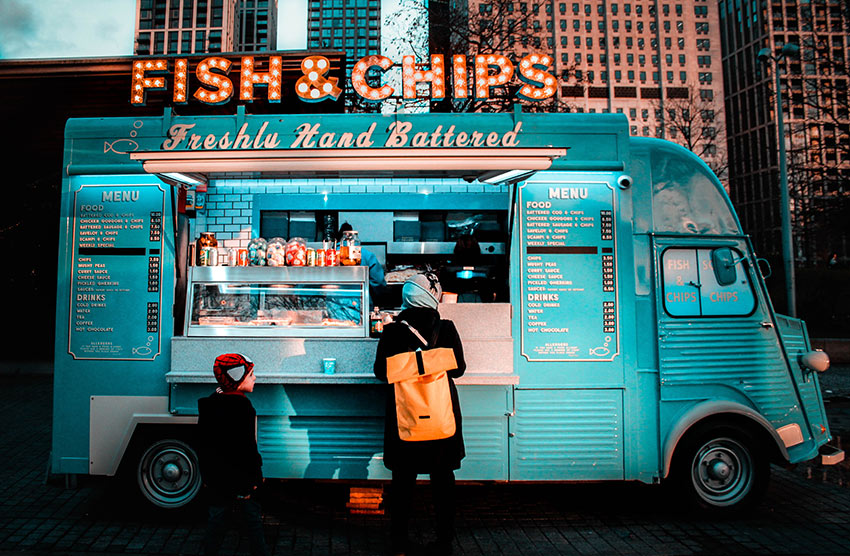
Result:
[205,240]
[276,252]
[257,251]
[349,251]
[296,252]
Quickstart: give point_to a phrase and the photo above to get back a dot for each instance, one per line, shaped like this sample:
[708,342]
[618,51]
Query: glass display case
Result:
[327,302]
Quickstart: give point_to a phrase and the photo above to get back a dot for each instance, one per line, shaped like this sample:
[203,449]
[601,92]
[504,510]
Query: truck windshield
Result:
[686,197]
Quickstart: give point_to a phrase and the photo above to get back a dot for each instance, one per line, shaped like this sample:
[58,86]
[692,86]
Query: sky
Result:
[101,28]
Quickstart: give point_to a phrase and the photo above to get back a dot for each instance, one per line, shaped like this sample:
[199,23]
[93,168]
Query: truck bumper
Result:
[830,455]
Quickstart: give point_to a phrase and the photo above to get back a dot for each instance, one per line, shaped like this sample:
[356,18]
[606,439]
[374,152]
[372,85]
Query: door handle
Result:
[767,325]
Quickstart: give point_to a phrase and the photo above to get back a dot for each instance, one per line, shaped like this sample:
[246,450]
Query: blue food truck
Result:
[613,313]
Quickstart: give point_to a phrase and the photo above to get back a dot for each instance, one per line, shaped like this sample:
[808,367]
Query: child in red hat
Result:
[231,466]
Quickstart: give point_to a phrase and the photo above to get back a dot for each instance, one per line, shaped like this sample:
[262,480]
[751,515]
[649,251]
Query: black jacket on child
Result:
[427,455]
[230,461]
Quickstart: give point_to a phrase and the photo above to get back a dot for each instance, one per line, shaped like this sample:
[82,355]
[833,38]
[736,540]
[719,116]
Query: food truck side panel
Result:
[114,307]
[581,406]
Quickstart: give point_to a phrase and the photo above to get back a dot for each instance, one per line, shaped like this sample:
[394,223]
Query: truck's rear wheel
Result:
[167,474]
[721,468]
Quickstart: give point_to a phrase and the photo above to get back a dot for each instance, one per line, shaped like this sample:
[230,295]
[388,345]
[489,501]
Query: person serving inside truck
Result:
[377,281]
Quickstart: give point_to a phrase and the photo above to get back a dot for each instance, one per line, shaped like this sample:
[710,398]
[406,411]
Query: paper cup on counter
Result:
[329,365]
[449,297]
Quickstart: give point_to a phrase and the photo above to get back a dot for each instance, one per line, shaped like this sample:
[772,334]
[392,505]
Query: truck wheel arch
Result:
[722,411]
[117,421]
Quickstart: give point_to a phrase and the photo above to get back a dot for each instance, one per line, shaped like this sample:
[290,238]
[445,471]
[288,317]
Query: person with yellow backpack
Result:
[418,356]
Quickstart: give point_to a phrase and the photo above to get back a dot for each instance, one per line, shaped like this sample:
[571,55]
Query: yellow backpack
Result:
[423,399]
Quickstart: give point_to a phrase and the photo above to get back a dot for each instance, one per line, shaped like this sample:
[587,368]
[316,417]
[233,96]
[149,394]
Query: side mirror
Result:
[816,360]
[764,268]
[723,261]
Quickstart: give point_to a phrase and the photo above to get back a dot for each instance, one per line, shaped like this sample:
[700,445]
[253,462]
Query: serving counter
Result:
[317,425]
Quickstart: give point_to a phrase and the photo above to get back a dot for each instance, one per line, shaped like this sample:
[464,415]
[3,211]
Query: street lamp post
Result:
[765,55]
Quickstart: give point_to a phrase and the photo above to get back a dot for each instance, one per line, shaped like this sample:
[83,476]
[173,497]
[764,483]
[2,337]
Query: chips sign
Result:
[472,76]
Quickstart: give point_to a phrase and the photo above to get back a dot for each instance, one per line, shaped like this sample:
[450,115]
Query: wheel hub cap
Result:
[171,472]
[719,470]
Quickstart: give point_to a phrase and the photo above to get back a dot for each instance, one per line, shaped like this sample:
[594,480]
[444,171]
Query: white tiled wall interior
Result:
[229,202]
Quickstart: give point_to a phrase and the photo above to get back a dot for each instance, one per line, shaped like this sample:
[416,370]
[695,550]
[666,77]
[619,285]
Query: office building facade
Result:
[169,27]
[656,61]
[256,25]
[350,26]
[814,90]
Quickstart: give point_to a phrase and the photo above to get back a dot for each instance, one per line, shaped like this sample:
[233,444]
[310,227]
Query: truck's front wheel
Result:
[167,474]
[721,468]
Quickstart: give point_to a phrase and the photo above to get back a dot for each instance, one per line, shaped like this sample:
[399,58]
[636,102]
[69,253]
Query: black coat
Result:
[229,459]
[428,455]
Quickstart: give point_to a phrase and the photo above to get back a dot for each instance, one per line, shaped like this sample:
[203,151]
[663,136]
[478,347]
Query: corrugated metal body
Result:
[795,338]
[486,442]
[322,447]
[735,352]
[568,435]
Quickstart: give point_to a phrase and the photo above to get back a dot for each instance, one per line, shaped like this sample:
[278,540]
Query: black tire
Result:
[167,473]
[720,468]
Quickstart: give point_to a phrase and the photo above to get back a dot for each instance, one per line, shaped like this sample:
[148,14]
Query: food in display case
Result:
[349,251]
[257,251]
[296,252]
[282,302]
[276,252]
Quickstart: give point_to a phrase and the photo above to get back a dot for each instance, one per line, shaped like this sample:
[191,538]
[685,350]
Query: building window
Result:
[705,78]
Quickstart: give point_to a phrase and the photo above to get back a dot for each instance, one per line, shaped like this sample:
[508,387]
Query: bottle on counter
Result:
[204,246]
[376,323]
[349,251]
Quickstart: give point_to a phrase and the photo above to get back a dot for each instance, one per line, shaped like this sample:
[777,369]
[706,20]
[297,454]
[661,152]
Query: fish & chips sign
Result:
[473,76]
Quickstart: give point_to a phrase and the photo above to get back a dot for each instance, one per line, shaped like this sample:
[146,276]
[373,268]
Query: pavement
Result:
[806,509]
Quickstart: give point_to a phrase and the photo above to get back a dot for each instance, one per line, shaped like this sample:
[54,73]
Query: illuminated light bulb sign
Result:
[271,79]
[181,74]
[413,73]
[484,81]
[142,82]
[313,86]
[219,80]
[358,78]
[459,77]
[539,84]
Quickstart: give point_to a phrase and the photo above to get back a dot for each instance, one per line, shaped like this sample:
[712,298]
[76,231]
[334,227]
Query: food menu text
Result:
[116,272]
[569,286]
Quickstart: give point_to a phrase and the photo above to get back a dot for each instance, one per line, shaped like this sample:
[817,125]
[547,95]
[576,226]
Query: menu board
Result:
[116,272]
[569,284]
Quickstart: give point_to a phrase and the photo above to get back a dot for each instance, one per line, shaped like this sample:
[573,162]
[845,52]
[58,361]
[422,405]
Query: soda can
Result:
[232,256]
[331,257]
[311,257]
[206,255]
[242,258]
[213,256]
[320,257]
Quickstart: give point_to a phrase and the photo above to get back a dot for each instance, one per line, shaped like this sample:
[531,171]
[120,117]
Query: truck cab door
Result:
[718,341]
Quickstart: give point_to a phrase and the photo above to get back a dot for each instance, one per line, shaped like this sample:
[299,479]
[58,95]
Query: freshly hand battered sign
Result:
[217,85]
